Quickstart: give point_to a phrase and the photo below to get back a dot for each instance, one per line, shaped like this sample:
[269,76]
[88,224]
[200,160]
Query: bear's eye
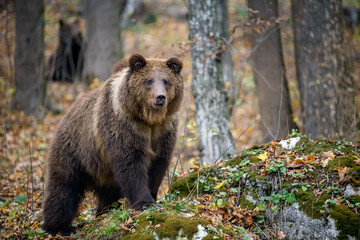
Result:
[149,82]
[166,82]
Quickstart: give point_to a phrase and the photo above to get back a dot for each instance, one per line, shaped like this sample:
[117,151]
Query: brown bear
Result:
[116,140]
[66,62]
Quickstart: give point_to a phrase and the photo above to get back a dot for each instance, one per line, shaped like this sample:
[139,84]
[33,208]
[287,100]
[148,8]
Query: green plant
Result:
[284,196]
[251,152]
[295,133]
[276,166]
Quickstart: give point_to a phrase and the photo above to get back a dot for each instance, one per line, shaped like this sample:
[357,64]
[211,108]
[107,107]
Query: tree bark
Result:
[207,19]
[29,57]
[323,69]
[103,38]
[269,71]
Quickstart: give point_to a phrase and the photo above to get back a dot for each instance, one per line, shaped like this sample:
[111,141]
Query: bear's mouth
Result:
[159,105]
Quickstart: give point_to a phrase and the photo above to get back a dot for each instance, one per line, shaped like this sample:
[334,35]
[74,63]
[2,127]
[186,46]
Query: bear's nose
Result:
[160,99]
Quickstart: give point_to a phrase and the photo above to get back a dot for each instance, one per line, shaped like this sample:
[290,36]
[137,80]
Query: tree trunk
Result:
[29,57]
[207,19]
[269,71]
[103,38]
[323,69]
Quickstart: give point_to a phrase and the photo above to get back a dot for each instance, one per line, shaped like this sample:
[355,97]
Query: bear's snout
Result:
[160,100]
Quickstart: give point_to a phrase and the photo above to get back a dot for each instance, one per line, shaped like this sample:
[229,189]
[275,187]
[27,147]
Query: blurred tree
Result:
[129,9]
[103,48]
[29,57]
[208,22]
[269,70]
[323,69]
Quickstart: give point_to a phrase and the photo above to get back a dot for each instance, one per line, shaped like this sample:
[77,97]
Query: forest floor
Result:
[24,139]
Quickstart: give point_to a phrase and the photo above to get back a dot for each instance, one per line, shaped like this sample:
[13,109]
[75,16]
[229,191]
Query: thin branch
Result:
[280,105]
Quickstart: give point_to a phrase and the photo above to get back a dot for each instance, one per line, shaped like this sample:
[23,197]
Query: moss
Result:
[254,159]
[310,204]
[286,185]
[235,161]
[228,232]
[345,161]
[164,225]
[183,185]
[355,176]
[355,198]
[307,146]
[317,175]
[253,174]
[346,221]
[244,203]
[106,226]
[139,235]
[211,237]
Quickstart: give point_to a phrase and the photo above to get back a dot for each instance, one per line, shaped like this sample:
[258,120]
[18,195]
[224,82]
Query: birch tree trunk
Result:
[103,38]
[209,33]
[29,57]
[323,69]
[269,71]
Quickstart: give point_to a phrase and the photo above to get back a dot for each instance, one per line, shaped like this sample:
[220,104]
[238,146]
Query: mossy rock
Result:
[244,203]
[306,146]
[344,161]
[346,221]
[235,161]
[239,159]
[254,159]
[184,185]
[165,226]
[310,204]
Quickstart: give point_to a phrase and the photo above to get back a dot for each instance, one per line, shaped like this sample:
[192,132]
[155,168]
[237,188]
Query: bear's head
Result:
[153,88]
[70,33]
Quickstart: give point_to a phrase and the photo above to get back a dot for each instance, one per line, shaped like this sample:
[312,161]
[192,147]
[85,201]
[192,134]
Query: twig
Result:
[280,105]
[32,179]
[238,194]
[355,126]
[267,128]
[238,138]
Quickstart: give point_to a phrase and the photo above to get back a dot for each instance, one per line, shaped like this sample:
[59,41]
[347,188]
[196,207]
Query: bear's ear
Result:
[136,62]
[174,64]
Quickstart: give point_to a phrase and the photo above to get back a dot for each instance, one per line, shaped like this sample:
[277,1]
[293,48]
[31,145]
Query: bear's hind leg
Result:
[60,206]
[106,196]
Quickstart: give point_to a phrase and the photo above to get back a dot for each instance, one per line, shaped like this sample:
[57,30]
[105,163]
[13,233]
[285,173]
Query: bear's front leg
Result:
[130,170]
[165,146]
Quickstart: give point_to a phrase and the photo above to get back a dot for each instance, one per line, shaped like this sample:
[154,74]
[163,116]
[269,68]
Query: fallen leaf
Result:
[327,157]
[310,159]
[298,161]
[263,156]
[220,185]
[281,235]
[342,171]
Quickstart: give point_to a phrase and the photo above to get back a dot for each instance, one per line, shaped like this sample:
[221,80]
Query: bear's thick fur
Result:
[116,140]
